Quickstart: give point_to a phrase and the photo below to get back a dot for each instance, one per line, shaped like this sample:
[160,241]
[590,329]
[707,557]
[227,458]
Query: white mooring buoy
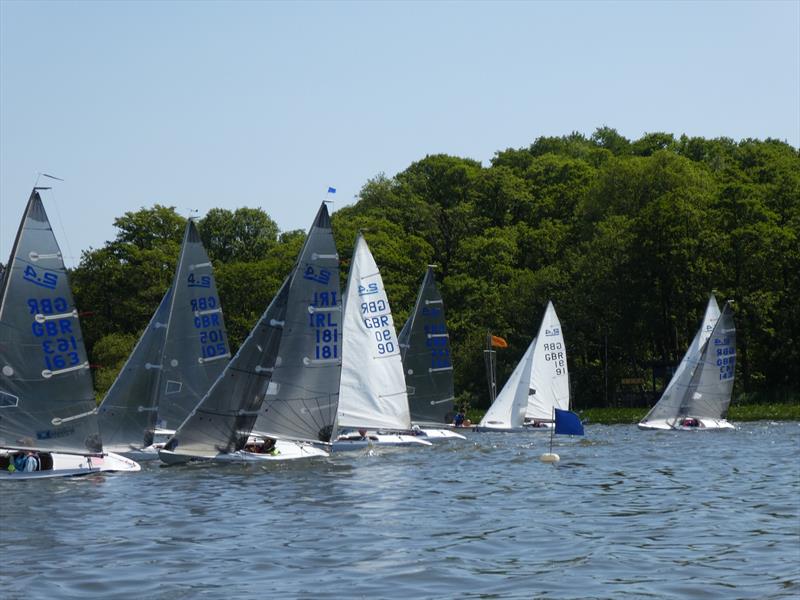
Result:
[549,457]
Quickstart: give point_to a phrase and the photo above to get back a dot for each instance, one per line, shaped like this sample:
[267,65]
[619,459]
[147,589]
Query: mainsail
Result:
[196,345]
[372,393]
[277,362]
[709,392]
[549,377]
[425,350]
[669,406]
[226,415]
[303,393]
[46,396]
[508,410]
[127,414]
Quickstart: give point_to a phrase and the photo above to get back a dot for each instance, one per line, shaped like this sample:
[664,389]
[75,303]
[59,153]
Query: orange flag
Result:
[499,342]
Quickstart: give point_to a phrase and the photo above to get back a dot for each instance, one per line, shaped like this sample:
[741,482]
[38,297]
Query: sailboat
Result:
[47,406]
[549,387]
[281,388]
[699,393]
[372,393]
[425,352]
[507,412]
[179,355]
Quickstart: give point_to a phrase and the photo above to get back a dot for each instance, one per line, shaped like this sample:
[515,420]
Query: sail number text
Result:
[436,339]
[324,324]
[59,346]
[379,324]
[554,352]
[212,336]
[726,358]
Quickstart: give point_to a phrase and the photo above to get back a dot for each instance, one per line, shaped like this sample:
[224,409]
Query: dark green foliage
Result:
[627,238]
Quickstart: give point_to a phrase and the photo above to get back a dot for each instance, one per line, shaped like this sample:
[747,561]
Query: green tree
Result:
[243,235]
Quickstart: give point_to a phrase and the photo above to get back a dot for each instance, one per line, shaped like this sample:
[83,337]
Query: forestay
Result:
[128,412]
[709,392]
[669,405]
[549,376]
[196,345]
[303,393]
[46,396]
[425,350]
[508,410]
[372,394]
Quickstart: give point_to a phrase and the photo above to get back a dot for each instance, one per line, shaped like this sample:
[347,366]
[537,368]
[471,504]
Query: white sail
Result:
[508,410]
[712,383]
[549,375]
[372,393]
[669,405]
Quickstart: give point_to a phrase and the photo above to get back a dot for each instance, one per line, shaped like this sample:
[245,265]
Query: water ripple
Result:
[626,514]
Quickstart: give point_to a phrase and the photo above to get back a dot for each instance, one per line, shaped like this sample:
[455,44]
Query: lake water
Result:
[626,514]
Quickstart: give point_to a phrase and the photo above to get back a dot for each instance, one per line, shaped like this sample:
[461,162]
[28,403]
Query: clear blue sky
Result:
[204,104]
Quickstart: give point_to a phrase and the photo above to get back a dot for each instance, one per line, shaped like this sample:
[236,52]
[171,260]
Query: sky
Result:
[208,104]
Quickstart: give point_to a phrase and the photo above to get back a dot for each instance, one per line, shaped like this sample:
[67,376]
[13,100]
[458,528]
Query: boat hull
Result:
[286,451]
[484,429]
[705,424]
[150,453]
[437,435]
[76,465]
[540,426]
[346,443]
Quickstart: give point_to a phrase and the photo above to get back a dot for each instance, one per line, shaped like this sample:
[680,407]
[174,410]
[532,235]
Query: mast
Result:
[490,358]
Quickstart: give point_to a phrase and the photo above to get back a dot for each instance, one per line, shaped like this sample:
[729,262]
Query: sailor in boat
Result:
[265,447]
[24,462]
[459,419]
[691,422]
[361,436]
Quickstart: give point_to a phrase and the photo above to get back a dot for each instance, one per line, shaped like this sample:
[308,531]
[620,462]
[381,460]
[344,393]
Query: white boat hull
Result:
[286,450]
[540,426]
[353,442]
[435,435]
[147,454]
[485,429]
[161,436]
[704,424]
[75,465]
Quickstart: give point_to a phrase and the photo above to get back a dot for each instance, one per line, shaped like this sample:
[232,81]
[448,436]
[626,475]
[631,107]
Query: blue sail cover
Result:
[568,423]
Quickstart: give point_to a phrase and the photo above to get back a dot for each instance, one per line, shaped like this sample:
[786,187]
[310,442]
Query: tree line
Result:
[627,237]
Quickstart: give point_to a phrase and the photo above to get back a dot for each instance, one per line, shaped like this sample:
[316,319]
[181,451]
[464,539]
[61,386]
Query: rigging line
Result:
[60,221]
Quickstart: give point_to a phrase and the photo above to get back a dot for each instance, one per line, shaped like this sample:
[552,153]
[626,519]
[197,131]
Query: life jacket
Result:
[27,463]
